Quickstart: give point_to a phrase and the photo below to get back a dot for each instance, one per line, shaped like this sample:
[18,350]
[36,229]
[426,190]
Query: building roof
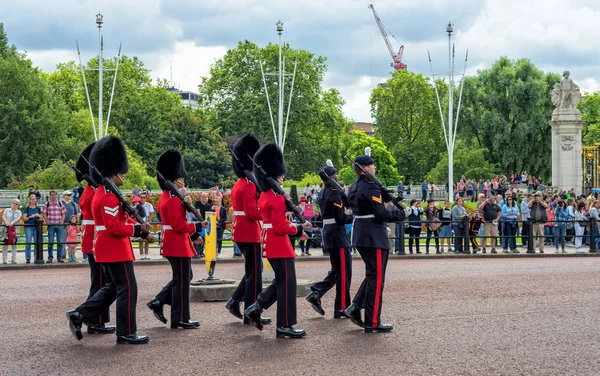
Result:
[365,127]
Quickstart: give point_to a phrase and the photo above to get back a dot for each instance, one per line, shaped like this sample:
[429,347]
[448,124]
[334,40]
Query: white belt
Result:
[100,228]
[364,216]
[267,225]
[167,227]
[87,222]
[241,212]
[329,221]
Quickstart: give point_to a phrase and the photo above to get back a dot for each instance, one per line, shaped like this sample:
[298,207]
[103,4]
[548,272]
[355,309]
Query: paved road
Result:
[520,316]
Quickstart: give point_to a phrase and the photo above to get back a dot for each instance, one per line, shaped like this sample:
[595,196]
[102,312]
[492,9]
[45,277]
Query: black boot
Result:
[100,329]
[289,332]
[381,328]
[315,301]
[157,308]
[185,324]
[233,306]
[132,339]
[75,323]
[253,314]
[353,312]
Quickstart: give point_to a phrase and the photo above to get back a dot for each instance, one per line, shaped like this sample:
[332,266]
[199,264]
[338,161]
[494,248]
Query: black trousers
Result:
[339,276]
[282,291]
[414,235]
[524,233]
[176,293]
[123,288]
[435,234]
[251,284]
[98,279]
[370,293]
[459,238]
[220,231]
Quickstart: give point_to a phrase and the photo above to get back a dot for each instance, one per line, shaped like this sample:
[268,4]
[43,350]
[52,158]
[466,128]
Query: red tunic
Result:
[113,231]
[276,228]
[176,230]
[246,228]
[85,204]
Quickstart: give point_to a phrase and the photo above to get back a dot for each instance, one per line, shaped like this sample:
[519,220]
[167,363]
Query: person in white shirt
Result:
[10,218]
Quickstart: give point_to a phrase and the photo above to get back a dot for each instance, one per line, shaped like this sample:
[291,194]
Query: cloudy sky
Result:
[190,34]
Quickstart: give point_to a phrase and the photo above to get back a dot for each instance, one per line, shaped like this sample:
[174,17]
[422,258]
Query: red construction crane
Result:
[396,57]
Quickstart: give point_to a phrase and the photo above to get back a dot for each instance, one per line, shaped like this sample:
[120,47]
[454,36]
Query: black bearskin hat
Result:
[170,164]
[109,156]
[270,158]
[247,145]
[81,164]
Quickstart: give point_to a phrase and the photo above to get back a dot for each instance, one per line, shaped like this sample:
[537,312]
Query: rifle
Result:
[87,177]
[246,172]
[175,192]
[385,194]
[278,190]
[332,182]
[130,210]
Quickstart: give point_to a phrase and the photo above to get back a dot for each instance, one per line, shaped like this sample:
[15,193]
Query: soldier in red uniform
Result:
[176,246]
[112,247]
[276,247]
[246,228]
[97,276]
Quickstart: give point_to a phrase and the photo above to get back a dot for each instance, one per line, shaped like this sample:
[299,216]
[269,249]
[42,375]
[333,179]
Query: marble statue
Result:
[566,94]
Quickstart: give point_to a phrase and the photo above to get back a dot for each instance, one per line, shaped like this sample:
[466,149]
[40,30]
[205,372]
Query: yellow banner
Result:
[210,248]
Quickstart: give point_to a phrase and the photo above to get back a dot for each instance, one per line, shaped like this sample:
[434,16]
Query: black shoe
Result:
[315,301]
[28,262]
[101,329]
[253,314]
[233,306]
[185,324]
[132,339]
[466,252]
[353,313]
[49,261]
[60,260]
[382,328]
[157,308]
[289,332]
[340,315]
[75,323]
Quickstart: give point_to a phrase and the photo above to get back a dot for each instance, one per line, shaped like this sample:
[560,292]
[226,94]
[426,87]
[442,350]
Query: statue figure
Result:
[566,94]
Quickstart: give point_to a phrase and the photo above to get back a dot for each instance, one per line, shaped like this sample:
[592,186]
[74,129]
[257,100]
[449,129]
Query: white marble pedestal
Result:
[567,169]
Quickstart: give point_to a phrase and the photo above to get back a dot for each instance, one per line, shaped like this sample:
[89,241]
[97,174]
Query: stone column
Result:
[567,166]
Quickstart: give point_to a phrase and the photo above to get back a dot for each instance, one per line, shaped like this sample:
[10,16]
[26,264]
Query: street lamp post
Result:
[281,133]
[102,130]
[452,123]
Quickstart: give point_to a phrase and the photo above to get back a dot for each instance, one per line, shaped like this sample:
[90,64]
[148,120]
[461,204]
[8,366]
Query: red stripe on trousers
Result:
[343,271]
[181,286]
[128,300]
[377,288]
[286,295]
[100,316]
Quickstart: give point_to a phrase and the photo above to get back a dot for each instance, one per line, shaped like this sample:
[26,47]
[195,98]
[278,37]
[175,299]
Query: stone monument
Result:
[567,170]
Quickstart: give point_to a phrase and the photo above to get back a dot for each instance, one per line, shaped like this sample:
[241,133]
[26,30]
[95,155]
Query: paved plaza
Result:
[452,316]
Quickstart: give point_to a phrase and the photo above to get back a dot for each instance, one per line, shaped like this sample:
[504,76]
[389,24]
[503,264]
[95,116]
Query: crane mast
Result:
[396,57]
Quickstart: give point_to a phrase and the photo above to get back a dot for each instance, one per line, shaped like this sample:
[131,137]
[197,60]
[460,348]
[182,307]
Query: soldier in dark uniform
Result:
[112,247]
[336,243]
[369,236]
[276,247]
[97,276]
[176,246]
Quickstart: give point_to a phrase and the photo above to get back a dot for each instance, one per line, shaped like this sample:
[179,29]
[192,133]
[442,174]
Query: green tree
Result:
[507,108]
[233,100]
[384,161]
[468,161]
[407,120]
[590,113]
[36,125]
